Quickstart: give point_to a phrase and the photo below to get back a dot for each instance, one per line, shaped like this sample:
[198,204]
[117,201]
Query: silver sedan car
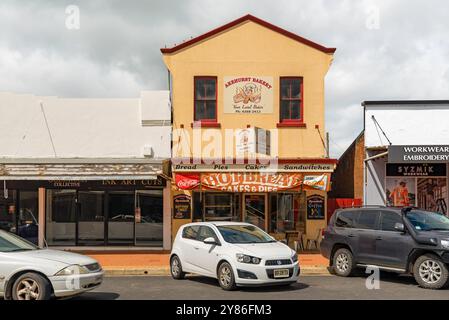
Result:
[30,273]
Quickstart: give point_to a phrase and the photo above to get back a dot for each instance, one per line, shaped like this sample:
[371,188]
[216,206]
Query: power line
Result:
[48,129]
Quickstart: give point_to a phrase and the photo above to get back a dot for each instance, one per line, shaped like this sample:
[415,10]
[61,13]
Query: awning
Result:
[80,170]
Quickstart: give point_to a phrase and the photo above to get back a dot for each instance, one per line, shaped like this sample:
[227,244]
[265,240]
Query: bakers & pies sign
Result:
[250,181]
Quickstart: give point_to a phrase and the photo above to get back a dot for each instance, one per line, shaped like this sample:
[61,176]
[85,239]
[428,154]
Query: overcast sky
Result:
[385,49]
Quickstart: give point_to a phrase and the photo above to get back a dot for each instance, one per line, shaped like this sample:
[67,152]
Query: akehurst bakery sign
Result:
[421,154]
[248,94]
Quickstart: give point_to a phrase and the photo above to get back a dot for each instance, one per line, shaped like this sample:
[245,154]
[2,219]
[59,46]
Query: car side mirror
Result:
[210,240]
[399,227]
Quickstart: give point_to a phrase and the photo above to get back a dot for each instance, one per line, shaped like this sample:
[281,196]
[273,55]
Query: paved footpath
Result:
[308,287]
[158,264]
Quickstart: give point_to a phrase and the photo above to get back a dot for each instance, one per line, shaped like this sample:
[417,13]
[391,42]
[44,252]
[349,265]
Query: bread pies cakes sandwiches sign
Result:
[248,94]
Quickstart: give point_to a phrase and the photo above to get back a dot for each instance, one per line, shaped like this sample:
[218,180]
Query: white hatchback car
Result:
[235,253]
[30,273]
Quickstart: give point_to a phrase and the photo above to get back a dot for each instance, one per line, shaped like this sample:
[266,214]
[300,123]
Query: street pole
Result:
[327,145]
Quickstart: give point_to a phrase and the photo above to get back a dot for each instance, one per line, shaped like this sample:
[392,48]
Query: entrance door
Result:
[254,209]
[121,213]
[91,218]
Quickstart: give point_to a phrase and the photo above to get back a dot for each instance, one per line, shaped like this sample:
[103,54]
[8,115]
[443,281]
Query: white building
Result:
[89,172]
[407,153]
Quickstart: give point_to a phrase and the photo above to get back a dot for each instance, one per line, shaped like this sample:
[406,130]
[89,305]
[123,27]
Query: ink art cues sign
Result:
[248,94]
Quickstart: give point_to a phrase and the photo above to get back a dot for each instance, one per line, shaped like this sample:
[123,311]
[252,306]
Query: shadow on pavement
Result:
[264,288]
[96,296]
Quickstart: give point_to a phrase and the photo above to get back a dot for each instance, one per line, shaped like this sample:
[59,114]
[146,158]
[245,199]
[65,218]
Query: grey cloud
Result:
[116,51]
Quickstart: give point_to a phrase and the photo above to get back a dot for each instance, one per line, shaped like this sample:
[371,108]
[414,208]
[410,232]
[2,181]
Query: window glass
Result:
[428,221]
[205,99]
[389,219]
[290,103]
[149,218]
[206,232]
[346,219]
[218,206]
[367,220]
[244,234]
[190,232]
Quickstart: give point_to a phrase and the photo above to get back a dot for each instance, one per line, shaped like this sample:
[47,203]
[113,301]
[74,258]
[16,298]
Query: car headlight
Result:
[243,258]
[72,270]
[295,257]
[445,244]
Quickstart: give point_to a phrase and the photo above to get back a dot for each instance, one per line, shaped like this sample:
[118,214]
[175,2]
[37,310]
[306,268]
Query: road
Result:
[309,287]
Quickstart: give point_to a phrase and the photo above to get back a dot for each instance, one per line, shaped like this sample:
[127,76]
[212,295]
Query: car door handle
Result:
[196,248]
[351,235]
[379,238]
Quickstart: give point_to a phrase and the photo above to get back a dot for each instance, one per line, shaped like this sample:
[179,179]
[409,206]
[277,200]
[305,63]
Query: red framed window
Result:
[205,90]
[291,100]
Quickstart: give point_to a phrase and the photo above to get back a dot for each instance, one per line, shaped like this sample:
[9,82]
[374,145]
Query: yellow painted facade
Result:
[252,49]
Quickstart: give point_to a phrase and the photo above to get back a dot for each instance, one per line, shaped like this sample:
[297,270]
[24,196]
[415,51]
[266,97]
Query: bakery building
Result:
[406,161]
[86,174]
[248,128]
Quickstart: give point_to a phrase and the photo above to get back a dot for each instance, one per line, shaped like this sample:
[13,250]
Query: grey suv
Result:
[406,240]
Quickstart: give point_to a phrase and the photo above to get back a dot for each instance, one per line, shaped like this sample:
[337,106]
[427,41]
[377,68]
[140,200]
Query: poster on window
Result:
[315,207]
[432,194]
[400,191]
[181,206]
[248,94]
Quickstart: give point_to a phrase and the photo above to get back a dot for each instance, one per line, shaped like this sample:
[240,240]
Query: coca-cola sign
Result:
[187,181]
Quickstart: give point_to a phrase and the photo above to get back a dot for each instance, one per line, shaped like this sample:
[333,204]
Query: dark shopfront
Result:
[89,212]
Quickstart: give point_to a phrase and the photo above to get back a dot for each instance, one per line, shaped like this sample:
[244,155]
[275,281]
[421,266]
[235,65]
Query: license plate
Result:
[281,273]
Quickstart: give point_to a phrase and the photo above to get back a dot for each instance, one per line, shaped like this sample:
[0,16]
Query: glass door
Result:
[61,217]
[149,218]
[254,209]
[91,219]
[121,212]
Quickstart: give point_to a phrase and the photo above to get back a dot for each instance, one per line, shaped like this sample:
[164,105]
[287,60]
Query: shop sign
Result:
[248,94]
[270,167]
[253,140]
[250,182]
[181,206]
[416,170]
[316,182]
[418,153]
[315,207]
[187,181]
[88,184]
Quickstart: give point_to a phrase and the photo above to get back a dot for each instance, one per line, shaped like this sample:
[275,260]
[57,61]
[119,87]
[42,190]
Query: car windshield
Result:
[12,243]
[428,221]
[244,234]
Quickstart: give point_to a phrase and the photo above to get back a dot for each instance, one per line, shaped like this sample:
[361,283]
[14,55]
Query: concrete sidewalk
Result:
[157,264]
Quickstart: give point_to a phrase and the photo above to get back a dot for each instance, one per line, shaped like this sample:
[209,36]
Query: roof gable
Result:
[244,19]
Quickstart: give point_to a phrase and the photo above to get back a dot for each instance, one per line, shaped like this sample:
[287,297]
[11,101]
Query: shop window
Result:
[149,218]
[283,212]
[91,218]
[27,222]
[291,101]
[218,206]
[61,217]
[205,103]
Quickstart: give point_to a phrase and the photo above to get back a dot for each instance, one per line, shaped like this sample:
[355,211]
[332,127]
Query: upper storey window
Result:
[205,99]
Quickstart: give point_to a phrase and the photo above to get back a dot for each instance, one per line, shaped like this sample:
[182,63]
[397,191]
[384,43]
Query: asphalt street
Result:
[308,287]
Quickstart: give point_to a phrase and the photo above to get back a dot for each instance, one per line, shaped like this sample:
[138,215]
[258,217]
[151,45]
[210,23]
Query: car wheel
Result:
[226,277]
[176,268]
[343,262]
[430,272]
[31,286]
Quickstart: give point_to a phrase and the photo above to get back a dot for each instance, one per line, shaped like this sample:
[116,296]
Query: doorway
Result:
[254,209]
